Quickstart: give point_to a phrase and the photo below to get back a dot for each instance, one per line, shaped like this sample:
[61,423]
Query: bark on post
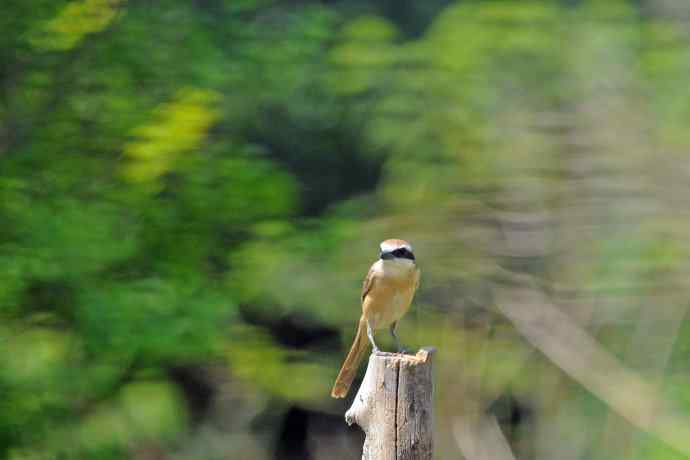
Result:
[394,407]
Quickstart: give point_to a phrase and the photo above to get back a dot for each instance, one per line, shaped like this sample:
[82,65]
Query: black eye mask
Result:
[400,253]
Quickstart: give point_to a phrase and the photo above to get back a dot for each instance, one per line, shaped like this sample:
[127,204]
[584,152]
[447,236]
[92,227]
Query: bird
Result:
[387,293]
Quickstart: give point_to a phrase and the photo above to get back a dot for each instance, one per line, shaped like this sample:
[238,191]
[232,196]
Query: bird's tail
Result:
[354,357]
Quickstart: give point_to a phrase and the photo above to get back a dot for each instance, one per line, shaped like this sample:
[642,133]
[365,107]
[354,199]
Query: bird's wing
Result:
[368,282]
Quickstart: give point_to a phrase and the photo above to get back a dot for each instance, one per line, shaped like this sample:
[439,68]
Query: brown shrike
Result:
[386,296]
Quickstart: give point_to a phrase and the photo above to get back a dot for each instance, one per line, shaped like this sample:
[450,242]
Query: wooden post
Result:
[394,407]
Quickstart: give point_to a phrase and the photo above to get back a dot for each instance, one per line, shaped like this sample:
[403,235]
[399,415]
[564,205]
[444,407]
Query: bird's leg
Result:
[370,334]
[394,325]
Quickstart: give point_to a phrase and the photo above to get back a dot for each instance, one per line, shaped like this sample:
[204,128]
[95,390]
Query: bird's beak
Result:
[387,256]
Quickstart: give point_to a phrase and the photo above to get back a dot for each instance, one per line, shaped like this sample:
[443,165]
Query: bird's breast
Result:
[390,297]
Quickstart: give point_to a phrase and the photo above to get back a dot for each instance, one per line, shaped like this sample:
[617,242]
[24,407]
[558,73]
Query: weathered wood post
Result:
[394,407]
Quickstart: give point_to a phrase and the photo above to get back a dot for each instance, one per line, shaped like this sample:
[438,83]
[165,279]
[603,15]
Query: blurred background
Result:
[192,191]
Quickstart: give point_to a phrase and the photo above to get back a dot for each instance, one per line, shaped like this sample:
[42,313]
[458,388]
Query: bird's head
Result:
[397,251]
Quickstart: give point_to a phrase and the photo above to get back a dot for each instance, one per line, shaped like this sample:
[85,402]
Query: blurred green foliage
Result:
[176,176]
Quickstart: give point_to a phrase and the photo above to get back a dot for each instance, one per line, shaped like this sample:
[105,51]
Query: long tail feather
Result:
[349,369]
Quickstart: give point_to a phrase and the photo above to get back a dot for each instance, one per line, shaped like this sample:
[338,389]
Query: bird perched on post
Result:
[386,296]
